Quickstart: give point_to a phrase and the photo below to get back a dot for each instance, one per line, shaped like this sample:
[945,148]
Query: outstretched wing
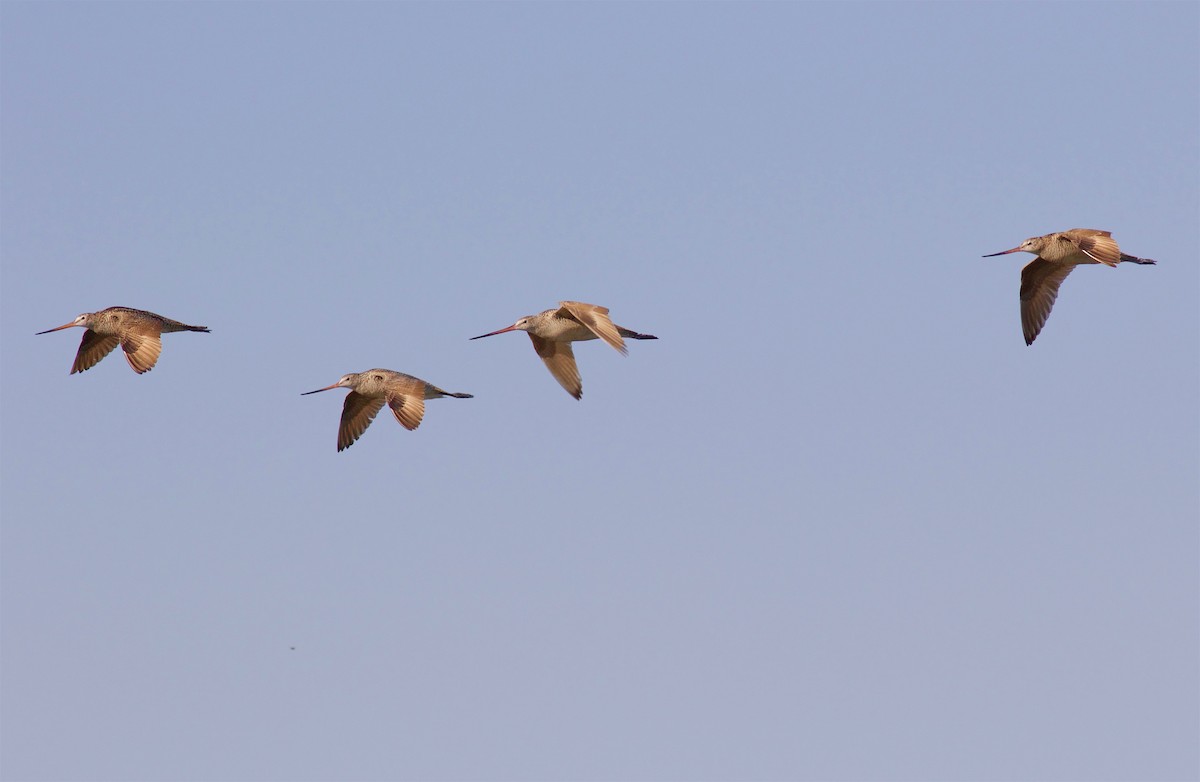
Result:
[560,360]
[1039,288]
[408,409]
[1097,245]
[141,351]
[357,414]
[92,348]
[595,318]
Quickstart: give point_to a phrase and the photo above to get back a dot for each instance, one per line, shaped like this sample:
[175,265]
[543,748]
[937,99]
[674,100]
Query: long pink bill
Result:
[58,328]
[319,390]
[1005,252]
[494,333]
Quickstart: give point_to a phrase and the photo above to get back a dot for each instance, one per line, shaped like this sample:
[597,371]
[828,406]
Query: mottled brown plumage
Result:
[404,394]
[553,331]
[138,333]
[1057,256]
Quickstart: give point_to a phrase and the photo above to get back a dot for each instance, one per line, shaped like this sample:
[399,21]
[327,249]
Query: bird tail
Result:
[1125,258]
[176,326]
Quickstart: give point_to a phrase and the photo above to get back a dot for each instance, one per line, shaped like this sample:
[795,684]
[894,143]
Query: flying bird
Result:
[138,333]
[404,394]
[553,331]
[1057,255]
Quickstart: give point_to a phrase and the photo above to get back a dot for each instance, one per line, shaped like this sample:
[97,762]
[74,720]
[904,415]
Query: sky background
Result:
[838,522]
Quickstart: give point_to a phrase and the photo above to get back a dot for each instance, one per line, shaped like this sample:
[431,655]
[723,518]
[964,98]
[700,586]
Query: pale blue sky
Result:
[838,522]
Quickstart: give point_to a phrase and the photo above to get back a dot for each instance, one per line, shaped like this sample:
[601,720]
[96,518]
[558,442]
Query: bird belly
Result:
[570,331]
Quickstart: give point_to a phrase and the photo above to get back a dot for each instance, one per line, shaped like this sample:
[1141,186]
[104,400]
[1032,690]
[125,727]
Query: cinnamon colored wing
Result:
[560,360]
[408,409]
[1039,288]
[357,414]
[92,348]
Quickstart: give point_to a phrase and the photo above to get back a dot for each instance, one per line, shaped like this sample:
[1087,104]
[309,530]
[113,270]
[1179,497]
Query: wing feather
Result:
[141,351]
[1097,245]
[408,409]
[596,319]
[92,348]
[1039,288]
[357,414]
[560,360]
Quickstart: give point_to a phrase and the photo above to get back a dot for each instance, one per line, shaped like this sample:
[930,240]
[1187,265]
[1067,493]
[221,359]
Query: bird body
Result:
[370,390]
[138,333]
[552,332]
[1057,256]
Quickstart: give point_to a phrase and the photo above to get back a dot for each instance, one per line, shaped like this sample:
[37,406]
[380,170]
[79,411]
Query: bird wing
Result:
[1039,288]
[408,409]
[92,348]
[560,360]
[1097,245]
[595,318]
[141,350]
[357,414]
